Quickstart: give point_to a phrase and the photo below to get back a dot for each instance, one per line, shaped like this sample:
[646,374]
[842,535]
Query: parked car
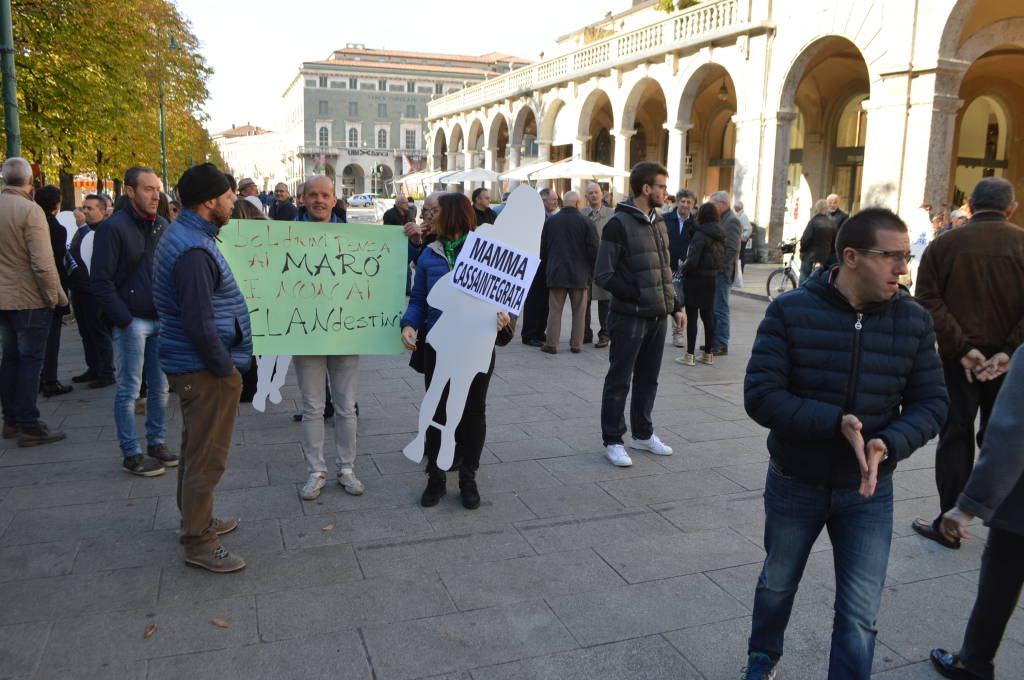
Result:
[362,200]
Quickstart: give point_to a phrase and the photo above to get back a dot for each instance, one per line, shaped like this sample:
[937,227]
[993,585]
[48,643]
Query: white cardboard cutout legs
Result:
[271,373]
[463,337]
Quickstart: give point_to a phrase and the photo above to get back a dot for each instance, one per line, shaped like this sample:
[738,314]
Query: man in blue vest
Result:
[205,346]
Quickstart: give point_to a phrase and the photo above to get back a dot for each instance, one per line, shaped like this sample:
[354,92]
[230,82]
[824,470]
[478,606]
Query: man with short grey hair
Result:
[746,231]
[972,281]
[30,289]
[599,214]
[723,282]
[835,213]
[282,207]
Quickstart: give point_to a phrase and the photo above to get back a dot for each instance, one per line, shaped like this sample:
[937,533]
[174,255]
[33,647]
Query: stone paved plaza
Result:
[571,568]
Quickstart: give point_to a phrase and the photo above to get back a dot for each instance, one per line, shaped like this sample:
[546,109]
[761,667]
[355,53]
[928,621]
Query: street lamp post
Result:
[12,124]
[172,45]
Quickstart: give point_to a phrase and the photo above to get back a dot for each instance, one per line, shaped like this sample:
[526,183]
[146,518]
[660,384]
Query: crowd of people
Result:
[849,372]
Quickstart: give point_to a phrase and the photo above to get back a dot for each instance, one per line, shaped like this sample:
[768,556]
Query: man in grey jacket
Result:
[995,493]
[723,282]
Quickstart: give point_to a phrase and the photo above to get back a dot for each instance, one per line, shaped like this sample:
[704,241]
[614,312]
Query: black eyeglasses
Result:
[894,256]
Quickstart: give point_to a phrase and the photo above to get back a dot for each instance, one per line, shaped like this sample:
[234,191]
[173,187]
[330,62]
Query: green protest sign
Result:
[319,288]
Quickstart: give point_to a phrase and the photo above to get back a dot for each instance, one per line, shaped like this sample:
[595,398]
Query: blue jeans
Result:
[138,350]
[23,334]
[722,288]
[861,531]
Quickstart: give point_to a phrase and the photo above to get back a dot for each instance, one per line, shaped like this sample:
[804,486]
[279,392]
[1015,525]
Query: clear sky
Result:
[256,46]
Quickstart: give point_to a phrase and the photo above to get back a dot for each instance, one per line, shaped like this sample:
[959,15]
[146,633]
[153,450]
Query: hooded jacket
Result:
[706,252]
[816,358]
[634,265]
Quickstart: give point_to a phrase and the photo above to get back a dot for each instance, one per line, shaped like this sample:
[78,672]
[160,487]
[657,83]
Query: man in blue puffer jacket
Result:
[205,345]
[845,375]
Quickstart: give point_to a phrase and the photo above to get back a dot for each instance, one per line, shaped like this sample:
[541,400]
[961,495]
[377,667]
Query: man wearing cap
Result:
[204,347]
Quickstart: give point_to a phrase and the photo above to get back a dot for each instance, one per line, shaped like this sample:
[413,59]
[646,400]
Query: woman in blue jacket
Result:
[455,219]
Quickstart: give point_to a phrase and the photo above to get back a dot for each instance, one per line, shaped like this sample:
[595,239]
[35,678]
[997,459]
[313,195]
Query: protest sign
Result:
[319,288]
[494,271]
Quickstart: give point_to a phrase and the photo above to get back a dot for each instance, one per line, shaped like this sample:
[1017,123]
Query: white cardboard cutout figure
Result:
[271,373]
[85,248]
[67,220]
[463,336]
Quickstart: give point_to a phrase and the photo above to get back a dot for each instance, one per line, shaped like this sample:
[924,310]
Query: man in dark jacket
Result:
[843,409]
[972,281]
[634,265]
[680,225]
[204,346]
[122,281]
[48,198]
[482,206]
[995,493]
[723,285]
[568,244]
[282,208]
[398,213]
[835,213]
[96,340]
[818,242]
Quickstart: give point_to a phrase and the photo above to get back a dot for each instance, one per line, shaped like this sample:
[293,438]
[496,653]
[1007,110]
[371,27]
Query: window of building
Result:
[382,85]
[353,137]
[353,108]
[382,139]
[382,110]
[410,110]
[410,86]
[352,84]
[410,139]
[323,81]
[438,88]
[323,136]
[323,108]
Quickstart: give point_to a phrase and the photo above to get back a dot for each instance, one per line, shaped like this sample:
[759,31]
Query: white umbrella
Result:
[577,168]
[522,173]
[470,175]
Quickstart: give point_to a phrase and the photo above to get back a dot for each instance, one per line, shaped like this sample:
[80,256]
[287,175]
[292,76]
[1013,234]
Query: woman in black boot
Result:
[453,222]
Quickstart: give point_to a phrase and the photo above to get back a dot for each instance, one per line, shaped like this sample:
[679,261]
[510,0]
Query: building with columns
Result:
[778,101]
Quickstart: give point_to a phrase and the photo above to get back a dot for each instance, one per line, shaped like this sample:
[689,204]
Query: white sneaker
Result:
[349,483]
[679,340]
[311,490]
[654,445]
[616,453]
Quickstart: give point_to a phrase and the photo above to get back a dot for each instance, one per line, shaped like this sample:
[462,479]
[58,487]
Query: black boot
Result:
[467,489]
[435,488]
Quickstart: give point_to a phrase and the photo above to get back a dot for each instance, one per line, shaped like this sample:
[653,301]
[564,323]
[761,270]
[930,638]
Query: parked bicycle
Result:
[785,278]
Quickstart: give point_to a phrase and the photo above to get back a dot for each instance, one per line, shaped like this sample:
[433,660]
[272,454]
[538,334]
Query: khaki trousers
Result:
[578,299]
[208,408]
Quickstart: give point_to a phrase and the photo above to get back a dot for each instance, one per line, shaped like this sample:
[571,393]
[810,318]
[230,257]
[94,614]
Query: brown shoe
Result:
[601,342]
[224,526]
[575,350]
[140,406]
[219,561]
[549,349]
[927,529]
[34,435]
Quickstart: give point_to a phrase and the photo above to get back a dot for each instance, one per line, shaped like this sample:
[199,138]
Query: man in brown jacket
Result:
[972,281]
[29,290]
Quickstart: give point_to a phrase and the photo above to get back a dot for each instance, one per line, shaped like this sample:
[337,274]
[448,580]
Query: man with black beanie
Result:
[205,346]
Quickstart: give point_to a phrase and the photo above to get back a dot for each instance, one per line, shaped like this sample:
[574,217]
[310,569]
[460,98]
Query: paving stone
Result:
[580,499]
[496,509]
[80,444]
[644,609]
[687,553]
[702,432]
[713,513]
[20,648]
[65,596]
[269,502]
[719,453]
[50,473]
[719,650]
[386,491]
[594,467]
[265,573]
[38,525]
[465,640]
[531,449]
[334,657]
[398,556]
[750,476]
[355,525]
[650,658]
[527,474]
[162,547]
[37,560]
[122,670]
[347,606]
[476,586]
[913,558]
[238,475]
[913,484]
[556,535]
[118,637]
[670,487]
[67,493]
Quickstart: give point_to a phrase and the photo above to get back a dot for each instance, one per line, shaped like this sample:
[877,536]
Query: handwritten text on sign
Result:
[492,271]
[319,288]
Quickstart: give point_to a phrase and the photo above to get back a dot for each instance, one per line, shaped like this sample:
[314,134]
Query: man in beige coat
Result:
[598,213]
[29,290]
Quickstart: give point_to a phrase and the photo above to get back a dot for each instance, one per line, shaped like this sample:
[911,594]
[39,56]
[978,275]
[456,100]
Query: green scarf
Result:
[450,248]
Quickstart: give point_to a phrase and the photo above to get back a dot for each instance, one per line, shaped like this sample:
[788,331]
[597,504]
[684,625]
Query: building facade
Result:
[780,102]
[359,116]
[250,151]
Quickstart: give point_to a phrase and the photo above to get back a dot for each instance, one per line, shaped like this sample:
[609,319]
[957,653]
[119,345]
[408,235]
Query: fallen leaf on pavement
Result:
[329,527]
[220,623]
[149,631]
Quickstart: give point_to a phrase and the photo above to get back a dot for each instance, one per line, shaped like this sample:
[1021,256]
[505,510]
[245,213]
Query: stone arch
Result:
[522,119]
[353,180]
[475,136]
[698,79]
[1004,32]
[594,99]
[596,124]
[494,129]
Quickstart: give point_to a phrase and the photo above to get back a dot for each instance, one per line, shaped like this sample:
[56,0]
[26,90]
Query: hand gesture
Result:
[503,319]
[973,362]
[954,524]
[996,365]
[409,337]
[413,231]
[874,453]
